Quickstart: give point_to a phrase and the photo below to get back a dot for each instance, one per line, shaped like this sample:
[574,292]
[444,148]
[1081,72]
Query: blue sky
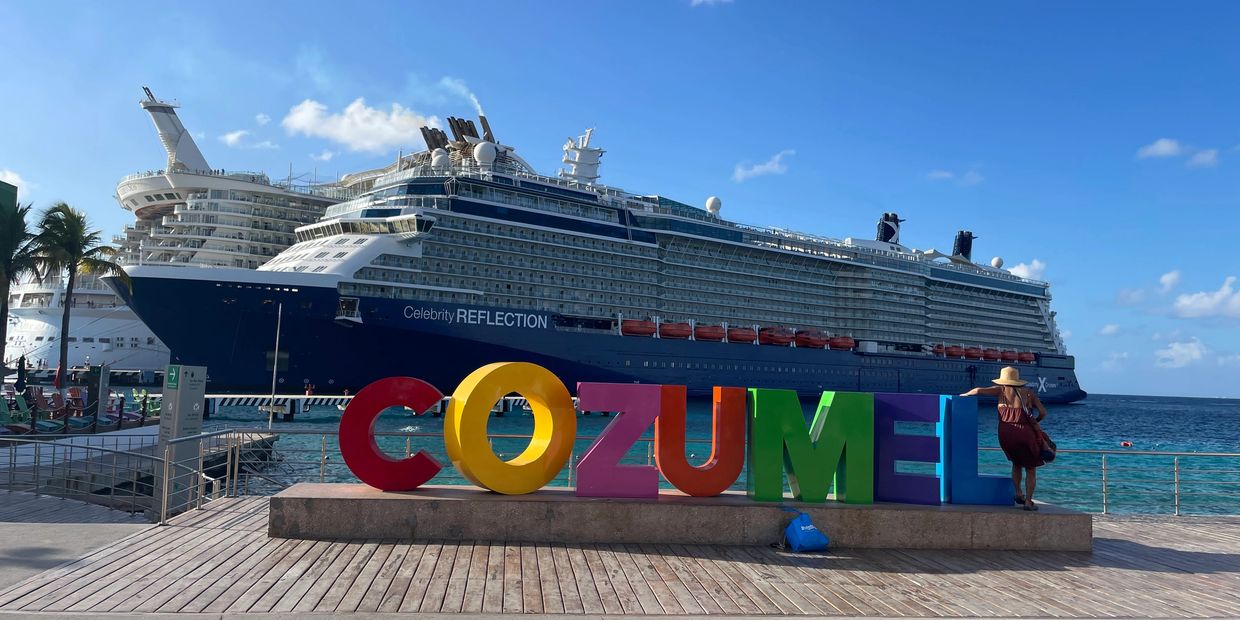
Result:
[1096,144]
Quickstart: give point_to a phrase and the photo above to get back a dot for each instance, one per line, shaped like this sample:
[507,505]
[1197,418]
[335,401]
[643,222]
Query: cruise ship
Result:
[187,214]
[462,254]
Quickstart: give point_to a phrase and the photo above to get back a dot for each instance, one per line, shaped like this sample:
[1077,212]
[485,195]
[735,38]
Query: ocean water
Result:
[1135,483]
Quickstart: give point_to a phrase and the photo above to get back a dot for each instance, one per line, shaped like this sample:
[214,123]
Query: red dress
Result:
[1018,437]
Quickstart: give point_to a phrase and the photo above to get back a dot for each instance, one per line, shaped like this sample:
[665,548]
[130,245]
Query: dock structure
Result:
[220,560]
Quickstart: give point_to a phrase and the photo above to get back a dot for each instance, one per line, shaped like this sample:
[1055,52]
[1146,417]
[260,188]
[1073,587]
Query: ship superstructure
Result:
[464,250]
[191,214]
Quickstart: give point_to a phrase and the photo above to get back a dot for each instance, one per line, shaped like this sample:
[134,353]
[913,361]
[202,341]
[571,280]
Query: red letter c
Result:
[357,434]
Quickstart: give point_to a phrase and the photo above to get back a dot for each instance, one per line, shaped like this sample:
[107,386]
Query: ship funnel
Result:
[486,129]
[183,154]
[964,244]
[889,228]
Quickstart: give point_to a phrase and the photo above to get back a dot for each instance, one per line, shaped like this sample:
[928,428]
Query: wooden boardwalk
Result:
[220,559]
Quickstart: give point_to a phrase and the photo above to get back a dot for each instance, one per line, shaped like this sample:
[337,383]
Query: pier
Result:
[220,560]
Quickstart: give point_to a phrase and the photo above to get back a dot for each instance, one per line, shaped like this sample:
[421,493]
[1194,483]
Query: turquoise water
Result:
[1135,484]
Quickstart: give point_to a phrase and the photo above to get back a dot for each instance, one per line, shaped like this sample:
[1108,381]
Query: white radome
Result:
[996,262]
[484,153]
[440,158]
[713,204]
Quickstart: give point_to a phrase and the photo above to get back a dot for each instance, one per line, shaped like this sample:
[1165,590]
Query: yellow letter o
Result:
[555,427]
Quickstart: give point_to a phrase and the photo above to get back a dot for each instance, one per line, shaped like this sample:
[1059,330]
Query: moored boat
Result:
[779,336]
[675,330]
[743,335]
[811,338]
[631,327]
[708,332]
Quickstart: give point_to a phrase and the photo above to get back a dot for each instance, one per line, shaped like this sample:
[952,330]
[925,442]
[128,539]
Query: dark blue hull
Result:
[230,327]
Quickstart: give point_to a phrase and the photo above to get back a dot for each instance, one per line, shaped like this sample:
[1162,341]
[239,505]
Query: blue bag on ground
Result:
[801,535]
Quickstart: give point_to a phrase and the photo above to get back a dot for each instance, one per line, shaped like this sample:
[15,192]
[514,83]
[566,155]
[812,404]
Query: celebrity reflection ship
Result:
[462,255]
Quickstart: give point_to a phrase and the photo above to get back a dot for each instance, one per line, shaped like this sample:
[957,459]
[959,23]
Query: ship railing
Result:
[1110,482]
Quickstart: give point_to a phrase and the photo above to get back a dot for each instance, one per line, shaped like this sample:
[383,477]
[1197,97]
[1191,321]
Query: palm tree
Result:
[17,257]
[66,244]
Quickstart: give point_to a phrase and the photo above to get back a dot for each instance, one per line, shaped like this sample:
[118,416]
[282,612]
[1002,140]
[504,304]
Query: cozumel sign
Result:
[852,442]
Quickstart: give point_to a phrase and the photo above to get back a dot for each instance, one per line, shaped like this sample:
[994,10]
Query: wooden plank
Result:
[437,589]
[493,591]
[401,579]
[531,590]
[548,580]
[475,584]
[316,573]
[591,601]
[349,555]
[374,595]
[680,591]
[344,579]
[421,578]
[660,589]
[513,590]
[352,597]
[637,582]
[602,581]
[454,596]
[261,583]
[625,594]
[569,591]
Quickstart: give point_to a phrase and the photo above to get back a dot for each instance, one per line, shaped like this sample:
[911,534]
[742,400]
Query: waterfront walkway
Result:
[219,560]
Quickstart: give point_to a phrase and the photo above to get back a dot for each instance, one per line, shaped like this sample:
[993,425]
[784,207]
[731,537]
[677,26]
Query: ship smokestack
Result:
[889,228]
[963,245]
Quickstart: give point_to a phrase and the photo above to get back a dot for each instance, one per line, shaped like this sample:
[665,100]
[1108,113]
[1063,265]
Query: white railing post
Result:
[1176,466]
[163,496]
[323,459]
[1104,484]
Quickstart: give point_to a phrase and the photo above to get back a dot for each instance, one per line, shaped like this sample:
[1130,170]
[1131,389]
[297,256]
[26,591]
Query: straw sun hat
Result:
[1009,376]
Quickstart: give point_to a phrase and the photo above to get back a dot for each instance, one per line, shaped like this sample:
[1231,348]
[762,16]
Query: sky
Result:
[1093,145]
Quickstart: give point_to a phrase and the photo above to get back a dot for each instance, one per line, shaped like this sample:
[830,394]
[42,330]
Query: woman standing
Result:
[1019,432]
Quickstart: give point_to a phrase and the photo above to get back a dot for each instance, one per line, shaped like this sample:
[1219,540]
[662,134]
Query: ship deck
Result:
[220,560]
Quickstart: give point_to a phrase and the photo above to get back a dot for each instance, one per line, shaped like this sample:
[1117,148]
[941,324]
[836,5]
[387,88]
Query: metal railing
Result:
[1100,481]
[133,473]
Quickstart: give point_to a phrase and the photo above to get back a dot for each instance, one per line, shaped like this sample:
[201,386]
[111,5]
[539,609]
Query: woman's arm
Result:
[1037,402]
[985,391]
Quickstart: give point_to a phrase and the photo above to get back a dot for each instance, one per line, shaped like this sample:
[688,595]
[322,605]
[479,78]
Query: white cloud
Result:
[1224,302]
[1035,270]
[774,165]
[262,119]
[233,138]
[1168,281]
[1171,335]
[1180,354]
[1207,158]
[1114,362]
[359,127]
[326,155]
[708,2]
[265,144]
[23,186]
[1130,296]
[968,178]
[1229,360]
[1110,329]
[1162,147]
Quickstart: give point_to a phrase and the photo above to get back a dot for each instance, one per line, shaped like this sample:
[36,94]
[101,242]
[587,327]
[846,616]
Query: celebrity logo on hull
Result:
[851,447]
[468,316]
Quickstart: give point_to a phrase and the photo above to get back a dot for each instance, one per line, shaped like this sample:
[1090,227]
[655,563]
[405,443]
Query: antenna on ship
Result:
[583,159]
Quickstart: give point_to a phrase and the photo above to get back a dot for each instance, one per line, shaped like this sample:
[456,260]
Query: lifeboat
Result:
[954,351]
[1008,356]
[741,334]
[990,355]
[973,353]
[1025,356]
[811,338]
[630,327]
[842,342]
[675,330]
[940,350]
[780,336]
[708,332]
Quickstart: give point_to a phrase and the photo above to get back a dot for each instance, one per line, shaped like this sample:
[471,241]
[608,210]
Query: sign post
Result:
[180,415]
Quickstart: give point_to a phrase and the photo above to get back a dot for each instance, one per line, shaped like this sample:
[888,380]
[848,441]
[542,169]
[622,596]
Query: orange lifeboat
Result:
[675,330]
[1026,356]
[940,350]
[811,338]
[1008,356]
[741,334]
[780,336]
[708,332]
[842,342]
[990,355]
[630,327]
[954,351]
[973,353]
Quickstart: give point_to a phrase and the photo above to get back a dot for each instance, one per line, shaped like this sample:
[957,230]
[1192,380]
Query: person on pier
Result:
[1020,434]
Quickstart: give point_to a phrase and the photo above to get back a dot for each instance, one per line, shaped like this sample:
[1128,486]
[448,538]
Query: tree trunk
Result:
[4,323]
[63,366]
